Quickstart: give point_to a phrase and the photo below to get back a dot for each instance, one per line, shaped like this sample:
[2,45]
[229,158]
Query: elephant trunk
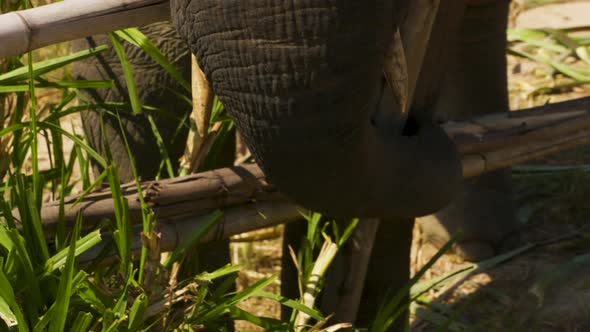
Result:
[303,82]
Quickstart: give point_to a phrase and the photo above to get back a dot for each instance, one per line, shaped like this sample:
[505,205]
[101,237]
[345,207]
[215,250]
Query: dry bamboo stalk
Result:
[25,30]
[504,123]
[200,138]
[235,220]
[258,235]
[502,151]
[194,194]
[478,164]
[395,70]
[502,130]
[523,136]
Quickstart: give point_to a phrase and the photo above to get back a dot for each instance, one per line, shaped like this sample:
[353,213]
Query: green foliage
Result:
[555,49]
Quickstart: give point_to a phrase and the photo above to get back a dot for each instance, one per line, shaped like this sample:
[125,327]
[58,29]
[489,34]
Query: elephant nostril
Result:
[373,121]
[411,127]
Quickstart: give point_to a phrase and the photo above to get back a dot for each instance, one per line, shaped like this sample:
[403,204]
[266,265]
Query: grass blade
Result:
[293,304]
[82,322]
[58,260]
[560,272]
[64,292]
[43,67]
[194,238]
[137,38]
[136,312]
[7,295]
[127,73]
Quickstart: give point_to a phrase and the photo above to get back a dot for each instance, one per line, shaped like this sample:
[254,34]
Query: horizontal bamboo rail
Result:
[235,220]
[487,143]
[25,30]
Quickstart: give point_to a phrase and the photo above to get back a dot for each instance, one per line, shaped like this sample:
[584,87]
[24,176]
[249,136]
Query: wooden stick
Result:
[200,138]
[235,220]
[478,164]
[520,128]
[25,30]
[189,195]
[531,117]
[395,70]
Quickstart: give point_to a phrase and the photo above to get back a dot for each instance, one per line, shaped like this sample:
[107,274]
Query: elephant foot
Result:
[484,214]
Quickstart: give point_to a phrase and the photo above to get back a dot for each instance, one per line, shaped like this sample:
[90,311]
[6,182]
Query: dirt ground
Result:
[545,288]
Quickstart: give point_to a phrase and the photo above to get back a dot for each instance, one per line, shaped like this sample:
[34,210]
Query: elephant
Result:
[155,87]
[303,82]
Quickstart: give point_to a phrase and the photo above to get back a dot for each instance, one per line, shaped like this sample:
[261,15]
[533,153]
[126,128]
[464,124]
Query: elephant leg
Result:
[475,83]
[156,88]
[388,271]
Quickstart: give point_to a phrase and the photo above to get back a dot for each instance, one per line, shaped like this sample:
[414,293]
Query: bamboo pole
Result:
[515,139]
[193,194]
[200,137]
[26,30]
[235,220]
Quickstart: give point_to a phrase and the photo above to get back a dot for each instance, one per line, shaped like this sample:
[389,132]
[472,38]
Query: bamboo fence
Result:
[249,202]
[486,143]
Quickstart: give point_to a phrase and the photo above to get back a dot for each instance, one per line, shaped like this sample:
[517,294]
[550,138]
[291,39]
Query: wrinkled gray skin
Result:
[156,88]
[289,75]
[303,82]
[464,75]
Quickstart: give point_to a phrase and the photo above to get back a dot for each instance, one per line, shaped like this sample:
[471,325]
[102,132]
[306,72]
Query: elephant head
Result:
[303,81]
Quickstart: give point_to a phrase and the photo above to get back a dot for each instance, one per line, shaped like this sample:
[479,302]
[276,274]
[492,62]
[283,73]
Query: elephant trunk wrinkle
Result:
[289,75]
